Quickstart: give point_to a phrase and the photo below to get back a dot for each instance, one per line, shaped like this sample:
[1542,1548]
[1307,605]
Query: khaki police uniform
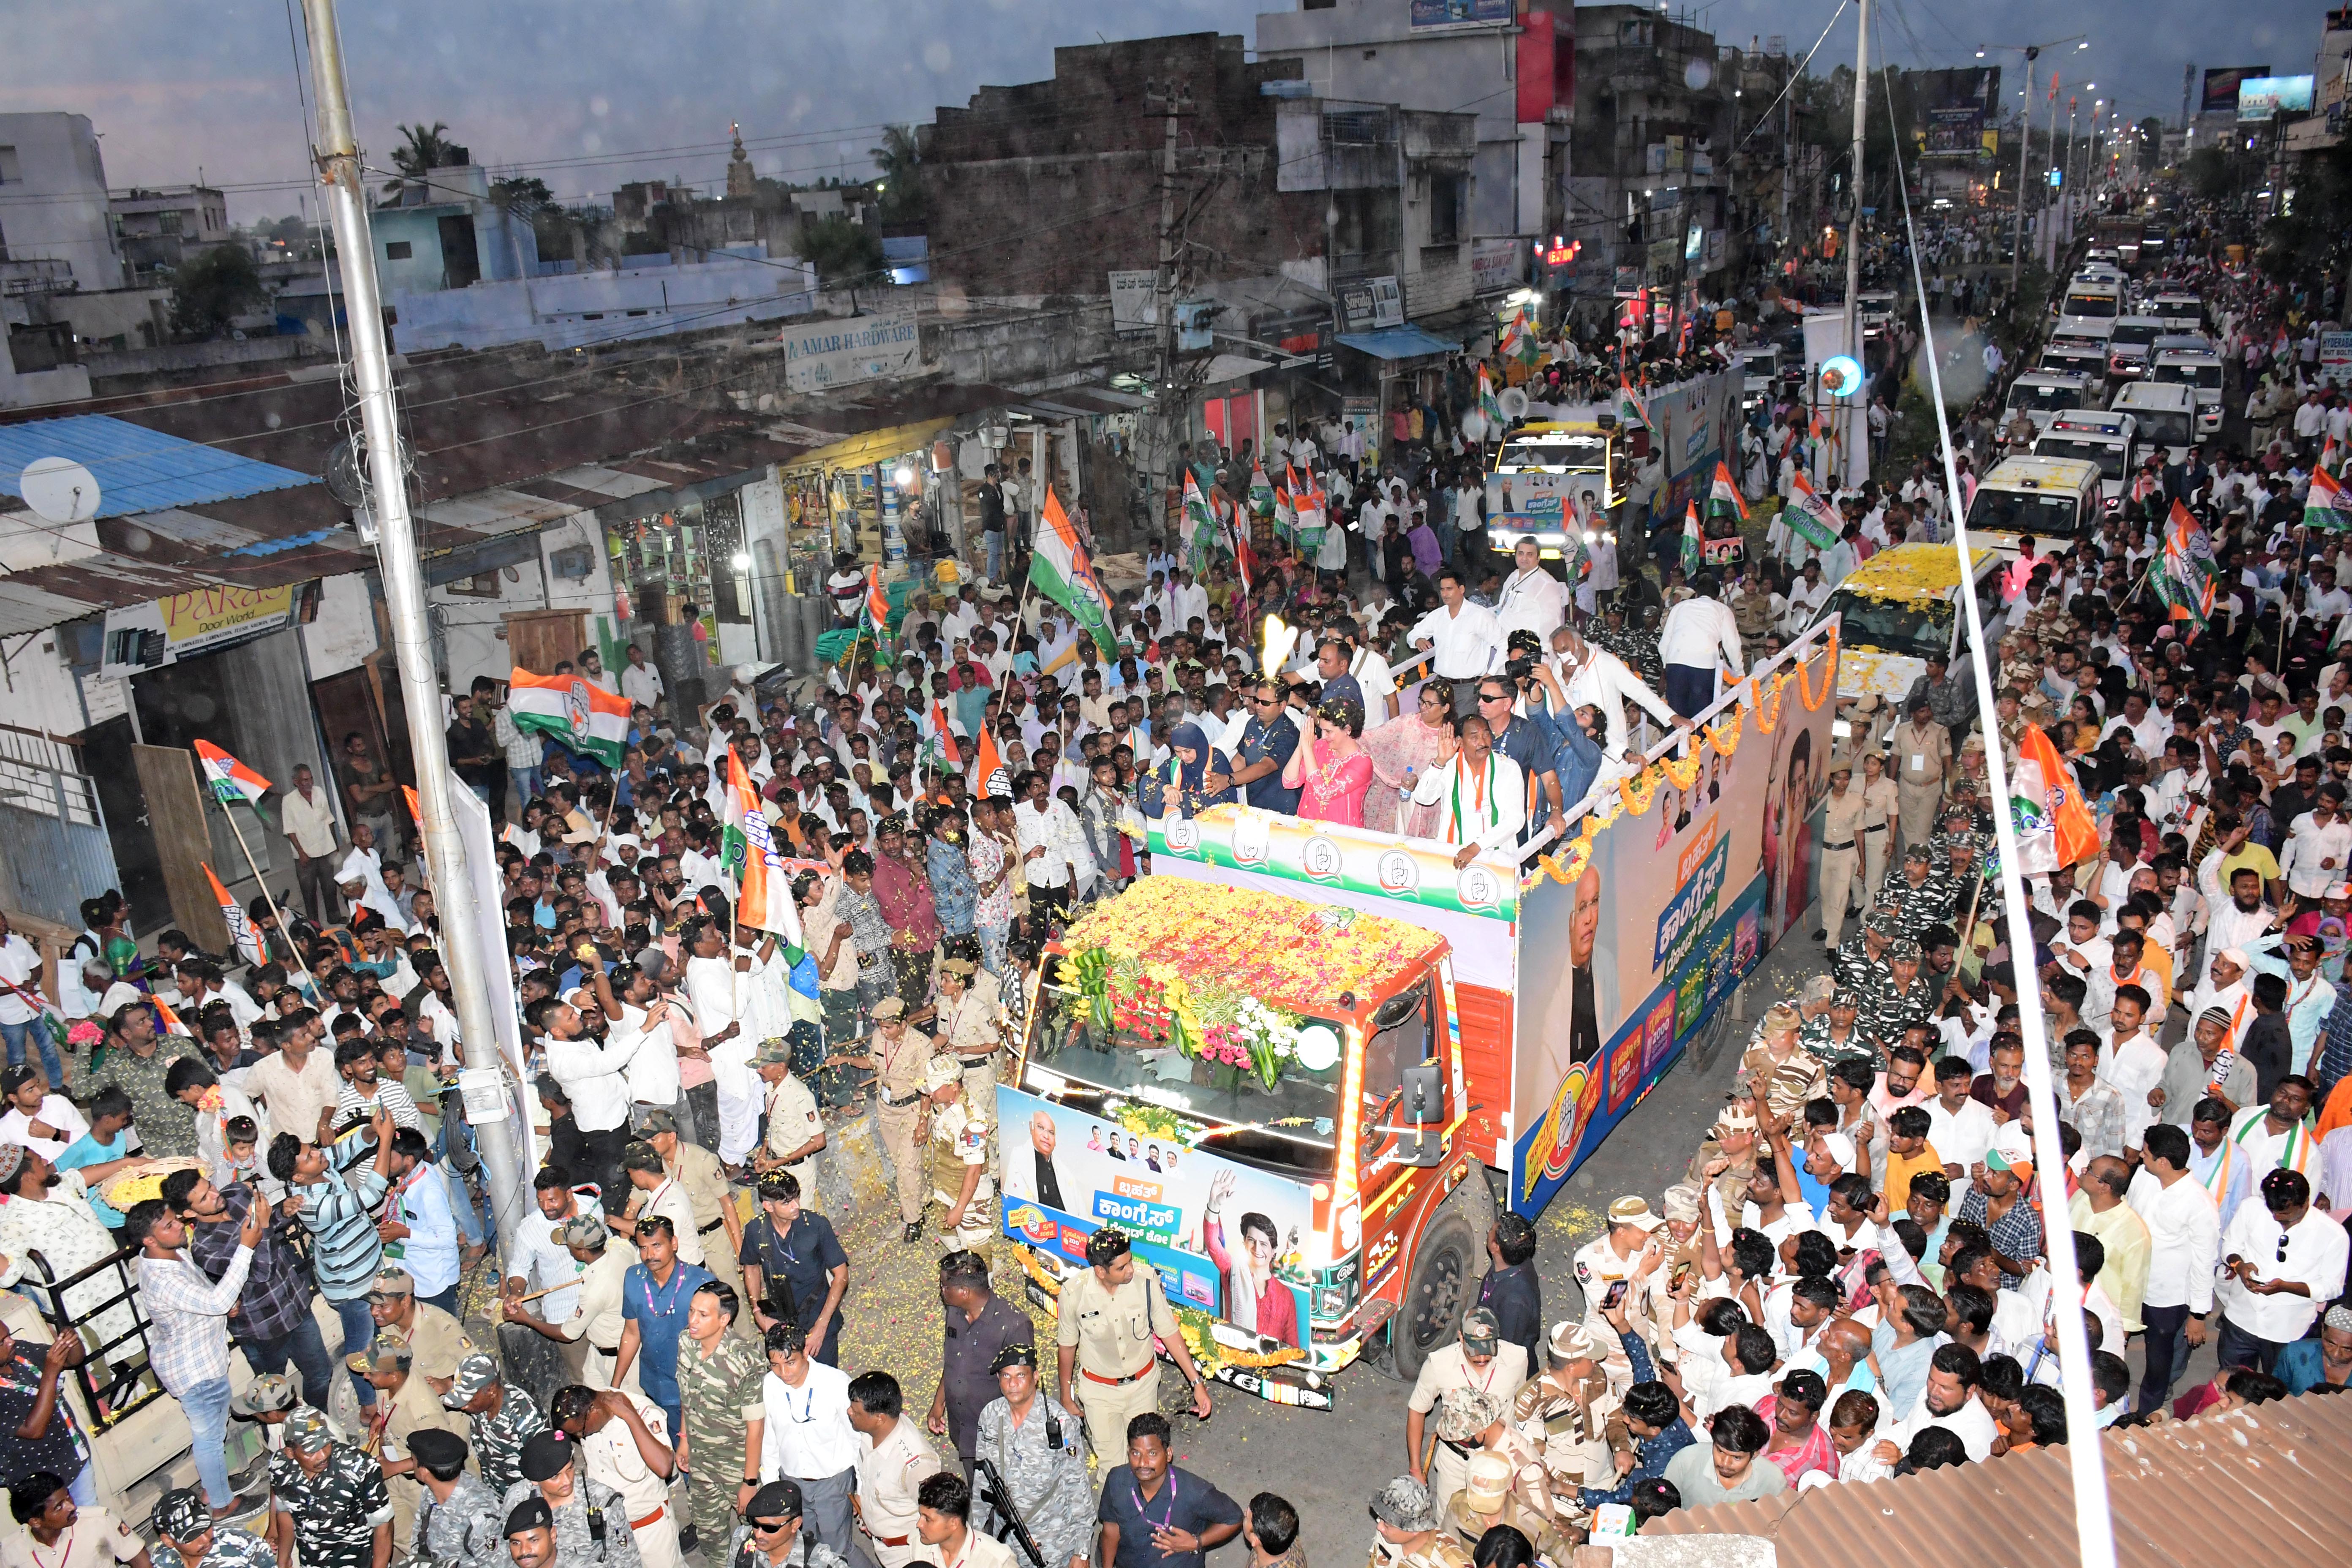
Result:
[1597,1267]
[1448,1368]
[792,1120]
[1923,755]
[960,1139]
[1468,1525]
[888,1472]
[596,1321]
[972,1028]
[1111,1328]
[1881,800]
[1841,856]
[899,1111]
[710,1196]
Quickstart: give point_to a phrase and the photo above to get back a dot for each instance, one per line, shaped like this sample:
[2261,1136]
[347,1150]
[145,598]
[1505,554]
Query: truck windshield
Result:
[2108,455]
[1576,454]
[1912,627]
[2044,514]
[1299,1114]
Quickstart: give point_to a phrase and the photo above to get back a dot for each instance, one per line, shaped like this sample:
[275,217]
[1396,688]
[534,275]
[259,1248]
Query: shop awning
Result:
[1225,369]
[873,446]
[1399,343]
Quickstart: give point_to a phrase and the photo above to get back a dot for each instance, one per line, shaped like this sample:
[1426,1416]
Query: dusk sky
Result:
[593,92]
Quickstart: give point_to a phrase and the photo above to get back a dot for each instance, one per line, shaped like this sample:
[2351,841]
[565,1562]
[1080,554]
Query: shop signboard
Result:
[2335,355]
[2268,96]
[1134,305]
[1368,304]
[1497,265]
[1459,13]
[1715,249]
[202,620]
[2222,84]
[885,346]
[1624,282]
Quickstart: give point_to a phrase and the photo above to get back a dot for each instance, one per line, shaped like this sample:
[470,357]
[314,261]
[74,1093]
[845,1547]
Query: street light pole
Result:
[1856,410]
[2024,150]
[338,156]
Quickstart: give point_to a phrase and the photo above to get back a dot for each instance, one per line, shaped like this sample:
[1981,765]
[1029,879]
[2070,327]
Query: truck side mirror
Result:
[1422,1109]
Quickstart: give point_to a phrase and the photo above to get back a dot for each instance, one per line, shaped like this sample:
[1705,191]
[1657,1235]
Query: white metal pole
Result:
[1854,410]
[338,156]
[2095,1534]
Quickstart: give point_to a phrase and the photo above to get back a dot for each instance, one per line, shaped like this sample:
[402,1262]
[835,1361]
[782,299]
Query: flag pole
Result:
[308,985]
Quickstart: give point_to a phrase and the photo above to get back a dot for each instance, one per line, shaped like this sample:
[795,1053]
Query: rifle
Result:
[998,1496]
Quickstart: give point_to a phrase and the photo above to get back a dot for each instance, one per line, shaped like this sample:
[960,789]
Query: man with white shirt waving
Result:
[1699,634]
[1481,794]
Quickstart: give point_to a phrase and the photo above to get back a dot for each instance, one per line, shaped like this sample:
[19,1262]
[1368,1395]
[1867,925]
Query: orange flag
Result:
[988,776]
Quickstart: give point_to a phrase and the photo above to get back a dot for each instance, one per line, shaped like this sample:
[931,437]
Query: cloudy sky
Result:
[589,94]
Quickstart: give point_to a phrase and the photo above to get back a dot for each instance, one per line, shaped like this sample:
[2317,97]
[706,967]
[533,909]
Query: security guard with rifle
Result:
[1032,1469]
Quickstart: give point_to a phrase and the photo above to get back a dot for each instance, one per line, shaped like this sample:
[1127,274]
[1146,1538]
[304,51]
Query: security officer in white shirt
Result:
[1532,599]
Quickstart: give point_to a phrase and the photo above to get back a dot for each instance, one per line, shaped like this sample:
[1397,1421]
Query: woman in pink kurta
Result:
[1332,781]
[1403,748]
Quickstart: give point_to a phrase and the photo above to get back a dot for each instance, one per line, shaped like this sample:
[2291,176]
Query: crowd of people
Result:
[1851,1283]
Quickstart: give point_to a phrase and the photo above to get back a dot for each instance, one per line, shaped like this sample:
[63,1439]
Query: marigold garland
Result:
[1683,772]
[1767,704]
[1828,678]
[1725,738]
[1640,790]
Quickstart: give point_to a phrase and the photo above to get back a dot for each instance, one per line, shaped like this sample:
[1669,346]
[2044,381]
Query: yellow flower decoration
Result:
[1725,737]
[1639,791]
[1684,770]
[1829,676]
[1767,704]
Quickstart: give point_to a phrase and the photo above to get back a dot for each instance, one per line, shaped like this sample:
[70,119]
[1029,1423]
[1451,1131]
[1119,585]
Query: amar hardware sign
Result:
[884,346]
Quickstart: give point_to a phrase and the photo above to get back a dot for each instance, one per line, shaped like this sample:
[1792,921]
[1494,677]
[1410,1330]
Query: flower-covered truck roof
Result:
[1285,950]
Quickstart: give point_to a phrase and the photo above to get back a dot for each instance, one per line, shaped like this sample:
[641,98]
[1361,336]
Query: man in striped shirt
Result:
[334,1206]
[362,1091]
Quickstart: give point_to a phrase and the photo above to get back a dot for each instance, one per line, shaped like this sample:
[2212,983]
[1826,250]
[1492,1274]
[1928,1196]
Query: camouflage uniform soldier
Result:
[1904,999]
[591,1519]
[1409,1536]
[1033,1443]
[187,1527]
[328,1499]
[1859,965]
[718,1376]
[458,1522]
[500,1420]
[1832,1037]
[1916,899]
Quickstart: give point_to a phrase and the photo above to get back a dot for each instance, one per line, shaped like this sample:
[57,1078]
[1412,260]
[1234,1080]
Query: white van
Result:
[1900,606]
[2180,311]
[2028,496]
[2082,331]
[2128,346]
[2043,393]
[2166,415]
[2084,360]
[2201,374]
[2096,436]
[2092,297]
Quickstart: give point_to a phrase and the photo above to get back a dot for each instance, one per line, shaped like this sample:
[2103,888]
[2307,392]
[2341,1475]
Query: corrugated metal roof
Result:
[2193,1494]
[137,469]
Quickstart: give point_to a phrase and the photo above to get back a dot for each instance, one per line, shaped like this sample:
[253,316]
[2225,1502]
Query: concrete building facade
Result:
[53,200]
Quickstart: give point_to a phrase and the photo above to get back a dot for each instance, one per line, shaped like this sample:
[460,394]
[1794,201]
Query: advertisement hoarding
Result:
[2221,82]
[1955,106]
[1694,890]
[882,345]
[1460,13]
[2268,96]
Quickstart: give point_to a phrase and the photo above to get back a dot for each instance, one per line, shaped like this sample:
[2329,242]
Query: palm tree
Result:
[900,157]
[424,150]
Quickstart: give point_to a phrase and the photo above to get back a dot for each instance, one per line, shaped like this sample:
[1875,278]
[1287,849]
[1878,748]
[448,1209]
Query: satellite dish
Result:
[59,491]
[1698,75]
[1513,403]
[347,478]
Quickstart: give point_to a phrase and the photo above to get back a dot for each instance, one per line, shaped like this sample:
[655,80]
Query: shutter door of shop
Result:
[176,816]
[539,640]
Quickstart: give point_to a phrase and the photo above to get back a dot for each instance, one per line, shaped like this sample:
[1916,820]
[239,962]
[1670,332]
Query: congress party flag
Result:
[2329,504]
[244,941]
[765,903]
[1490,407]
[1691,547]
[989,778]
[1725,493]
[1810,515]
[231,780]
[573,709]
[878,603]
[944,735]
[1059,569]
[2055,828]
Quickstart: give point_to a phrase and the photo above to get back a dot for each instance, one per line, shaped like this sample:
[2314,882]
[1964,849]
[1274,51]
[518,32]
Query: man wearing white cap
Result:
[2224,988]
[1627,1253]
[360,878]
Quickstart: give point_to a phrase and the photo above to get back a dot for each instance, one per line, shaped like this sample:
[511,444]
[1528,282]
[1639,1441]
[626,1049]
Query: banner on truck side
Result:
[1675,906]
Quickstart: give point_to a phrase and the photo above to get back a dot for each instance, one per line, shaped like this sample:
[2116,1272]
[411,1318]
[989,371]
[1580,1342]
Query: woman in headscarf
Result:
[1419,743]
[1180,786]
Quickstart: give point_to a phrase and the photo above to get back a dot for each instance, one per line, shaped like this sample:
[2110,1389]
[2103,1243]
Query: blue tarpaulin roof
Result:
[137,470]
[1399,343]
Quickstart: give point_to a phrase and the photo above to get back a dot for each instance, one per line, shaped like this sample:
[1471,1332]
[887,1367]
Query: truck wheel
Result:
[1437,1292]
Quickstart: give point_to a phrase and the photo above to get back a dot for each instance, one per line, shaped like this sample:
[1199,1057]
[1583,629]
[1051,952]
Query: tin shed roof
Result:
[137,469]
[2184,1495]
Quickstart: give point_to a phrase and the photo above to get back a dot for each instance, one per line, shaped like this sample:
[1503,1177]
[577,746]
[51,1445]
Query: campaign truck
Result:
[1301,1064]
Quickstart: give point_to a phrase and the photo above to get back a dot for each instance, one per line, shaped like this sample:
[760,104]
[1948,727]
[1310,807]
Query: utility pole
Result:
[338,156]
[1856,406]
[1174,100]
[2024,150]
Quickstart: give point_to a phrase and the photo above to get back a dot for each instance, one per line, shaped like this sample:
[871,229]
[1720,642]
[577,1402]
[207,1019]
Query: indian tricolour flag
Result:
[2329,504]
[231,780]
[1810,515]
[1691,546]
[2054,826]
[578,714]
[1059,569]
[1725,494]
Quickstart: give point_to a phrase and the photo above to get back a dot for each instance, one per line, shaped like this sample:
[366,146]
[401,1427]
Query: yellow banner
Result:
[205,611]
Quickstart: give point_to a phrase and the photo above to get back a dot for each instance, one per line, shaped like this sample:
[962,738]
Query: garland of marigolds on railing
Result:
[1636,794]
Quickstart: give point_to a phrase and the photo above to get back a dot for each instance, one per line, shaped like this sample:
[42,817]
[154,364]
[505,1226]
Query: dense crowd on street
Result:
[1851,1283]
